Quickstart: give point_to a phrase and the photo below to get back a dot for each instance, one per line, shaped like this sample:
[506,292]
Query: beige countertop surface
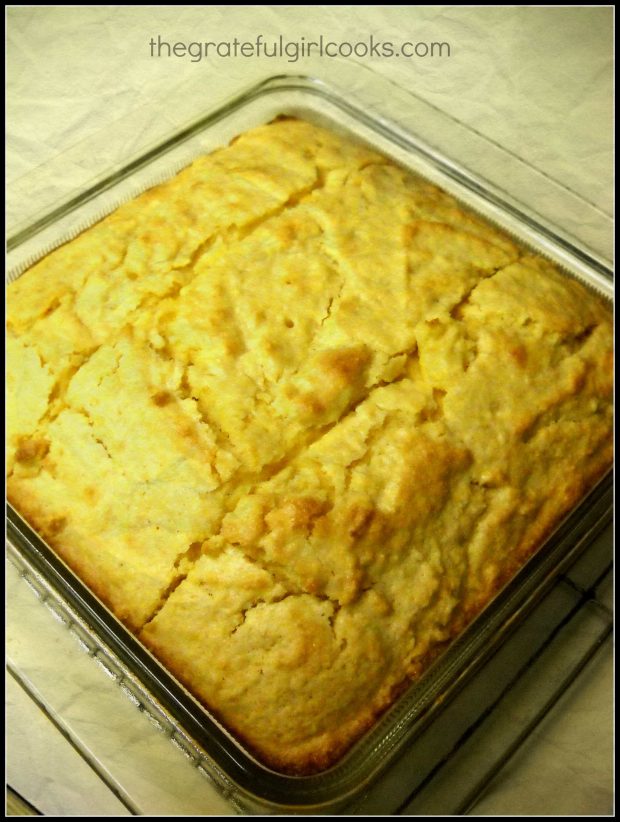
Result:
[535,81]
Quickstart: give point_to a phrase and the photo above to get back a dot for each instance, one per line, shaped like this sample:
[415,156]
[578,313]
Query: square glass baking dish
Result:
[244,780]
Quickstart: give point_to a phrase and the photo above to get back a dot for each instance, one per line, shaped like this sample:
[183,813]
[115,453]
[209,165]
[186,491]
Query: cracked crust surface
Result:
[294,416]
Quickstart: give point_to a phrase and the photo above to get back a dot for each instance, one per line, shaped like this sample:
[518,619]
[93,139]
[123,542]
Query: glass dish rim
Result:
[315,85]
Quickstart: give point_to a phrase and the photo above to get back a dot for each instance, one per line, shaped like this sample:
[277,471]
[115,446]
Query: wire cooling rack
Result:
[465,752]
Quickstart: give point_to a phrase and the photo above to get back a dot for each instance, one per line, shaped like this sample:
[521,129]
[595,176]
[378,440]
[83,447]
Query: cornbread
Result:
[295,416]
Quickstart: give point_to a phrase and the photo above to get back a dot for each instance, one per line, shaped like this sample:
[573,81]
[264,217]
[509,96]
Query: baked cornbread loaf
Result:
[295,416]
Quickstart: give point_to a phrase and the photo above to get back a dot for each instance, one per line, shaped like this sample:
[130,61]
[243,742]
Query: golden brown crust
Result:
[296,416]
